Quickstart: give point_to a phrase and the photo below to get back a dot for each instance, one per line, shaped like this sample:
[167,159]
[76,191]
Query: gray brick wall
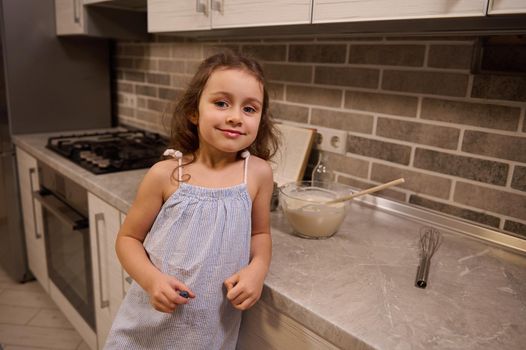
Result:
[410,107]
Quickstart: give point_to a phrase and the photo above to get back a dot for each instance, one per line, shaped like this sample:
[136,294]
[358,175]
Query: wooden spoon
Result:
[369,190]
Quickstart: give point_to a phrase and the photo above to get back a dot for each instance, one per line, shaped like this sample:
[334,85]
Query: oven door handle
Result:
[61,210]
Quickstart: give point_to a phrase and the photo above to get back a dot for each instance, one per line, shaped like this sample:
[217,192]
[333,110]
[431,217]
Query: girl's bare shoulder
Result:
[160,177]
[163,168]
[260,183]
[161,173]
[260,169]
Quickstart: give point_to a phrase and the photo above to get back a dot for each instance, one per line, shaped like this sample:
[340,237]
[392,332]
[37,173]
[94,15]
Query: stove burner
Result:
[108,152]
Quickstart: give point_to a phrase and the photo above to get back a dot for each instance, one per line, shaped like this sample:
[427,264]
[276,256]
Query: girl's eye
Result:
[249,109]
[221,104]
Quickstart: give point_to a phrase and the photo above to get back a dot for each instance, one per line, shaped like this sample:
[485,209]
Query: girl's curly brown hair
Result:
[184,134]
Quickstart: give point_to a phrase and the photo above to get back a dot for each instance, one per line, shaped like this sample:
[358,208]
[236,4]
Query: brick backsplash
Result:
[450,56]
[410,106]
[519,178]
[313,95]
[347,76]
[342,120]
[426,82]
[415,132]
[320,53]
[389,55]
[482,170]
[509,88]
[485,115]
[381,103]
[288,73]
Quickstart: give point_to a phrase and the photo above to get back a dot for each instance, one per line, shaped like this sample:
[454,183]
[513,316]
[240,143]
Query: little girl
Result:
[196,240]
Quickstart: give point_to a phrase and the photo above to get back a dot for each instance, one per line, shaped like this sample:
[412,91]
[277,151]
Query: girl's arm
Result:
[244,288]
[129,244]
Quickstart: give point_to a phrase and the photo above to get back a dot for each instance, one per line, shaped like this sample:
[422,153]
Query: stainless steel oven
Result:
[66,232]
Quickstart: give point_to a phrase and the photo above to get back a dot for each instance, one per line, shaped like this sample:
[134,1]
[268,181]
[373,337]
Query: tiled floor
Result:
[30,320]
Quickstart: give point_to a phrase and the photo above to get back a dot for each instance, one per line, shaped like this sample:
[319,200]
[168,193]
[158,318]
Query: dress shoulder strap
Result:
[170,152]
[245,155]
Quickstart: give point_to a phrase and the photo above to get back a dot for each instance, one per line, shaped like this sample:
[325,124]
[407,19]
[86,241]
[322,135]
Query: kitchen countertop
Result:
[356,289]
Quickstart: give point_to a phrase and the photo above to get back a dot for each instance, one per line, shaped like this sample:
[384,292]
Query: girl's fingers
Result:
[181,299]
[185,293]
[245,305]
[240,298]
[165,309]
[181,287]
[230,282]
[169,295]
[174,297]
[168,304]
[167,301]
[233,293]
[163,306]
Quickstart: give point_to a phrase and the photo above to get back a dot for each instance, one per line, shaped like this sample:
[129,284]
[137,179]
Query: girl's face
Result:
[229,110]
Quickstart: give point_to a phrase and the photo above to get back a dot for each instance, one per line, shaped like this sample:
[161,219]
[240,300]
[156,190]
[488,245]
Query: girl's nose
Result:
[234,117]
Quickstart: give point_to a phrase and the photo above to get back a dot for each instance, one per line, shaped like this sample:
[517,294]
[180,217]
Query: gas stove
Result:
[112,151]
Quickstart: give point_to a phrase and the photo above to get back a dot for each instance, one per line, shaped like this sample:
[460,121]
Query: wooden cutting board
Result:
[291,159]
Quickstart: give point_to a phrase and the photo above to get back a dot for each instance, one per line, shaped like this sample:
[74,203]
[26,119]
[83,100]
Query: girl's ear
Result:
[194,119]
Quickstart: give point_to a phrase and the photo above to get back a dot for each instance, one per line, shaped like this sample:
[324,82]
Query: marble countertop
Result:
[356,289]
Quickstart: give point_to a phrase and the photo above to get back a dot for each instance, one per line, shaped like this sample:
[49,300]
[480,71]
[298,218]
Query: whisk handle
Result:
[422,272]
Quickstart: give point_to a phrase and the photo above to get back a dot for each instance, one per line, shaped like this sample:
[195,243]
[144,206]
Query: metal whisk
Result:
[430,239]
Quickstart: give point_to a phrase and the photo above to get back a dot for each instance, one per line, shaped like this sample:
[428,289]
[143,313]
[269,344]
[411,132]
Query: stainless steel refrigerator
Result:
[47,84]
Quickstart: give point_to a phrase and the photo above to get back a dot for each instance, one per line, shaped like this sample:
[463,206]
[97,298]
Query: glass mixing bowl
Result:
[303,204]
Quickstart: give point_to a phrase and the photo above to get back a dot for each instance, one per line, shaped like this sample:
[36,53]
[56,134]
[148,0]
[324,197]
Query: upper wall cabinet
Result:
[497,7]
[250,13]
[187,15]
[73,17]
[172,16]
[69,17]
[326,11]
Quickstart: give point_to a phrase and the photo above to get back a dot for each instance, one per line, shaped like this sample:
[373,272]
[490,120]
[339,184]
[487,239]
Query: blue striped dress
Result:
[201,236]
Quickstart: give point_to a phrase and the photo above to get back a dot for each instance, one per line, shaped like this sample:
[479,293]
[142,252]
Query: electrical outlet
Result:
[331,140]
[129,100]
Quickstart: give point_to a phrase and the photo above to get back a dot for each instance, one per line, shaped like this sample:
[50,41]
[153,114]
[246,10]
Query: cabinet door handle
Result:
[76,11]
[100,217]
[202,7]
[128,280]
[219,5]
[33,171]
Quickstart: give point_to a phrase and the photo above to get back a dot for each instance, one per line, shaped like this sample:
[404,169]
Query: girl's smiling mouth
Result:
[231,133]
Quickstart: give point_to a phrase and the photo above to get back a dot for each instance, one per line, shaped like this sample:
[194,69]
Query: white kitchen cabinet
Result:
[32,216]
[107,272]
[263,327]
[250,13]
[75,17]
[497,7]
[172,16]
[326,11]
[188,15]
[69,17]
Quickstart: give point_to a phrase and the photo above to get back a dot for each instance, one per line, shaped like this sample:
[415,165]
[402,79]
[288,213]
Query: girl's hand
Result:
[244,287]
[164,293]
